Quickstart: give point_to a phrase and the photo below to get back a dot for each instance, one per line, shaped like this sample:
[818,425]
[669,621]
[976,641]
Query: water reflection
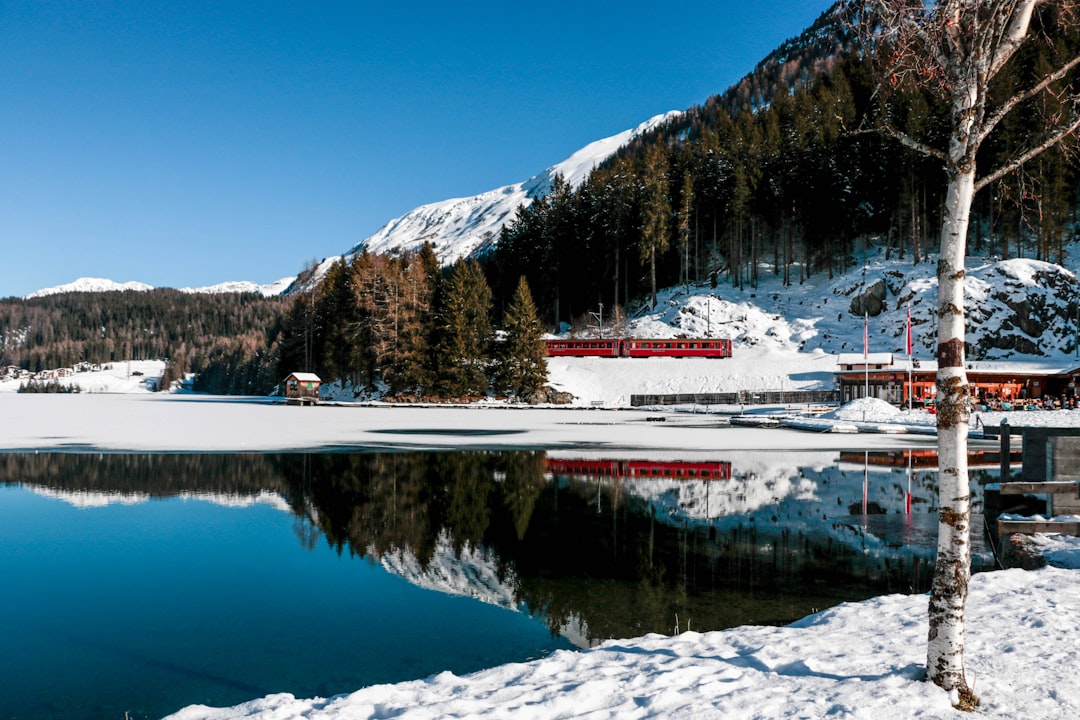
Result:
[597,547]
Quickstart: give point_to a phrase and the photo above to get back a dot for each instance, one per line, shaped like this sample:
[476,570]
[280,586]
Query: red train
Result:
[635,347]
[641,469]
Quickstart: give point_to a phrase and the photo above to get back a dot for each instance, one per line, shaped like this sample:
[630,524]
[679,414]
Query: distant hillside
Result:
[226,337]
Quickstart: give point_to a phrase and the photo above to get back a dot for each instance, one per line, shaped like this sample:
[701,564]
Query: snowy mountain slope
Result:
[460,227]
[1017,309]
[89,285]
[787,337]
[243,286]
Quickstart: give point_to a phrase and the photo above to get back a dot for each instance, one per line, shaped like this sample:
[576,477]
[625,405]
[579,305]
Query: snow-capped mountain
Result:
[456,228]
[88,285]
[461,226]
[277,287]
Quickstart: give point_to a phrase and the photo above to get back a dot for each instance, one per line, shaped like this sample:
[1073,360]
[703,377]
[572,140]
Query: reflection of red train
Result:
[641,469]
[634,347]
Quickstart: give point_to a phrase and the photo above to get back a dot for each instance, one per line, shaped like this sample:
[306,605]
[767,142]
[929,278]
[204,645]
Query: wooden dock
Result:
[1051,470]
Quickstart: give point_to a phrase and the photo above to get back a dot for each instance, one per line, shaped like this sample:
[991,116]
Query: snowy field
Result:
[177,423]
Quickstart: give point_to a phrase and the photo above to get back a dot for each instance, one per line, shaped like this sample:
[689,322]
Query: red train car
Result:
[635,347]
[641,469]
[584,348]
[698,347]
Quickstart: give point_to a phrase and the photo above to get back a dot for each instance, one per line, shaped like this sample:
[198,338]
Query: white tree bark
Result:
[948,595]
[957,47]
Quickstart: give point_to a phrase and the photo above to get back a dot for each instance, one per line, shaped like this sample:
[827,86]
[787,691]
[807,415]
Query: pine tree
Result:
[522,368]
[464,332]
[410,369]
[655,211]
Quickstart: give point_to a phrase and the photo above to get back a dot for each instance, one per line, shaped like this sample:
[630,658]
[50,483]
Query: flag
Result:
[866,337]
[909,331]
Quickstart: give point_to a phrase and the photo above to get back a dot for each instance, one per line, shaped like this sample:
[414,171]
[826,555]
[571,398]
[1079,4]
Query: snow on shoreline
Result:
[857,660]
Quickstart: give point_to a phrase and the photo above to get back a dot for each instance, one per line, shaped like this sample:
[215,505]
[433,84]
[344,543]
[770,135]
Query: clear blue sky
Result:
[190,143]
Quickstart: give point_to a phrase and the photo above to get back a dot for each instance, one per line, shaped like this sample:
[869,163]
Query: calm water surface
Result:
[140,584]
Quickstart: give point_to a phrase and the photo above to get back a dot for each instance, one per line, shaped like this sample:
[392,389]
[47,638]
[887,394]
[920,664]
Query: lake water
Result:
[138,584]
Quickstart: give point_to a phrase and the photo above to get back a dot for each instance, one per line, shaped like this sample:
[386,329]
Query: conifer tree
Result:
[410,369]
[655,211]
[464,332]
[522,368]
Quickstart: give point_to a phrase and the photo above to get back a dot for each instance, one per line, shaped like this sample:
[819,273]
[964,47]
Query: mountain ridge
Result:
[92,285]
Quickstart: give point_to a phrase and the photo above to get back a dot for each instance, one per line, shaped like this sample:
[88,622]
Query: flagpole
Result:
[909,356]
[866,353]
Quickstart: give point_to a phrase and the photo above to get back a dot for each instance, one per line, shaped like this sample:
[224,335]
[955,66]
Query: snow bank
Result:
[871,409]
[860,660]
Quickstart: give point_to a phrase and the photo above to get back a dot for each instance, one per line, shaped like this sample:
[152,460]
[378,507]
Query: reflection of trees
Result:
[369,502]
[467,483]
[522,486]
[581,552]
[158,475]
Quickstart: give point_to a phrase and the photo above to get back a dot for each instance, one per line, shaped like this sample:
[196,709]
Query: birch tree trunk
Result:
[948,595]
[956,48]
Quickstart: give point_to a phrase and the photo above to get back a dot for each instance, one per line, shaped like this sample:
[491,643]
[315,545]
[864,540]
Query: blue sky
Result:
[190,143]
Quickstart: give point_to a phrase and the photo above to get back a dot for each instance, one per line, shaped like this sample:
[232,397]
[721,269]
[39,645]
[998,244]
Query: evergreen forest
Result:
[228,339]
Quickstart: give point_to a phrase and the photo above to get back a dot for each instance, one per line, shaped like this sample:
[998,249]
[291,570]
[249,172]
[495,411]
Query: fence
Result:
[742,397]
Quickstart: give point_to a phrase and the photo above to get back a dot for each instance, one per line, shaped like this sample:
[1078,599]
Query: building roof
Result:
[861,360]
[304,377]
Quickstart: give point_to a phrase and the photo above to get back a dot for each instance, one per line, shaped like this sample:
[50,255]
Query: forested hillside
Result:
[402,326]
[229,339]
[780,174]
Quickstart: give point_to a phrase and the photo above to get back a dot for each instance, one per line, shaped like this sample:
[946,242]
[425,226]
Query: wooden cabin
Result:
[302,388]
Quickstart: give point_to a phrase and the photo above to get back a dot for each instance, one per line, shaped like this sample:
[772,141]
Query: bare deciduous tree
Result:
[956,49]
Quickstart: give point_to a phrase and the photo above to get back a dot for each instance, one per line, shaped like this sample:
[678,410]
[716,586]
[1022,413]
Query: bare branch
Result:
[1014,36]
[1062,133]
[1015,100]
[916,145]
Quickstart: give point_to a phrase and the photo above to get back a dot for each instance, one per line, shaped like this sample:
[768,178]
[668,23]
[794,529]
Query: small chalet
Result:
[302,388]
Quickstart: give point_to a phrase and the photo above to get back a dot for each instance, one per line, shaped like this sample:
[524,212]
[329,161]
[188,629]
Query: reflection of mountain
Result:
[473,572]
[747,538]
[91,498]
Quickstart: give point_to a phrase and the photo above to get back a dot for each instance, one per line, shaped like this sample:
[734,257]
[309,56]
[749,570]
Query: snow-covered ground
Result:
[137,376]
[186,422]
[861,660]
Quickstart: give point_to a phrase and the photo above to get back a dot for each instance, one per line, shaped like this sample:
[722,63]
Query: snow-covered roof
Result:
[884,359]
[305,377]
